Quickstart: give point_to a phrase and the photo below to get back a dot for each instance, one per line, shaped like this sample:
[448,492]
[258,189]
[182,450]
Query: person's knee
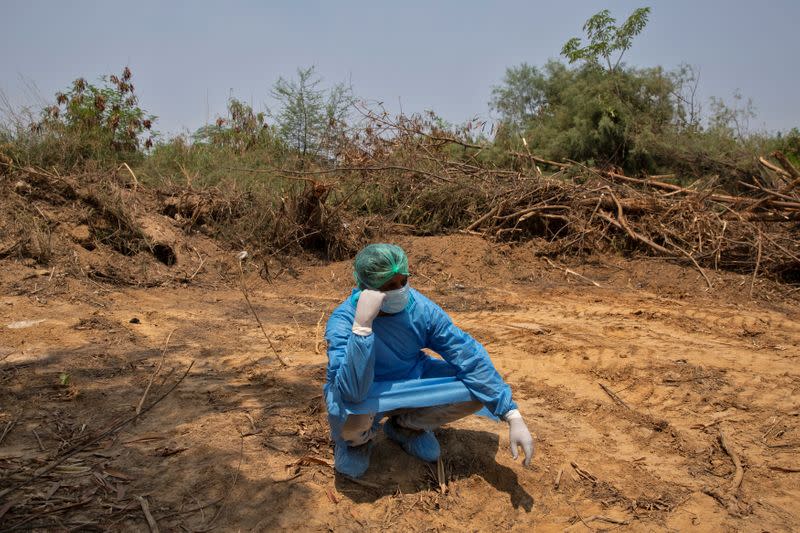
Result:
[357,430]
[472,406]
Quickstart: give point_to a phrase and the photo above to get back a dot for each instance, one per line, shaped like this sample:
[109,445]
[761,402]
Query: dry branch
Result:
[155,373]
[570,271]
[8,427]
[786,164]
[317,339]
[253,311]
[737,463]
[583,473]
[151,522]
[774,168]
[786,469]
[557,481]
[614,396]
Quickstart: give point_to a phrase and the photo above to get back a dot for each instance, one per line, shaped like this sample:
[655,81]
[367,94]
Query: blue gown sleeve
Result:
[475,368]
[351,359]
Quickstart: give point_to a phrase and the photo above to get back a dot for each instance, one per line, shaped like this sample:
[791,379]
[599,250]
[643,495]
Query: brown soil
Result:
[242,443]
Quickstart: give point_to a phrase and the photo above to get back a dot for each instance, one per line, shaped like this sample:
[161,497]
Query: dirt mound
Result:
[100,227]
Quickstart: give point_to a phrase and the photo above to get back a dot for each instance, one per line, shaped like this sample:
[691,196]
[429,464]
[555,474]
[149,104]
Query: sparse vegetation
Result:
[87,125]
[308,177]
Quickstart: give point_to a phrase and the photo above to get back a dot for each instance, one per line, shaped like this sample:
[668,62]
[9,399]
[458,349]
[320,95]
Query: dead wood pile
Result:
[596,210]
[404,172]
[577,209]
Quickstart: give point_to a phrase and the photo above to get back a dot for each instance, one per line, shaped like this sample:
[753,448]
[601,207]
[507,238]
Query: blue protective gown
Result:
[361,369]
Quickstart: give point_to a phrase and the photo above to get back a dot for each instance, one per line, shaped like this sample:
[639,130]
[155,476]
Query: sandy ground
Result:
[242,443]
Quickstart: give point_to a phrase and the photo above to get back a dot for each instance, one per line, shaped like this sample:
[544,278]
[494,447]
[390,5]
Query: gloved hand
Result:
[368,307]
[519,435]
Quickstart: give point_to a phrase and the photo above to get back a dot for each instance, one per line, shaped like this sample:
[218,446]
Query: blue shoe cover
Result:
[421,444]
[352,461]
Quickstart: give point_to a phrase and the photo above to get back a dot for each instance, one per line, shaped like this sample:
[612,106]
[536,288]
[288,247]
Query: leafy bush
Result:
[789,144]
[242,130]
[604,113]
[585,114]
[87,124]
[106,120]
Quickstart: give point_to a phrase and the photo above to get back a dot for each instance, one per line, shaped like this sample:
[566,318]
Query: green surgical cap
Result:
[378,263]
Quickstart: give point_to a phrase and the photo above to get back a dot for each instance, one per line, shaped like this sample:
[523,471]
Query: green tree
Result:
[589,112]
[732,120]
[311,119]
[602,112]
[521,96]
[583,113]
[605,39]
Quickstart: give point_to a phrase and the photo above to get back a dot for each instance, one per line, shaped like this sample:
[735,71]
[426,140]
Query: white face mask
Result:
[395,300]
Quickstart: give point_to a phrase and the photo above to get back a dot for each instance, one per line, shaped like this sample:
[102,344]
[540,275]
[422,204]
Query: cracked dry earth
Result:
[627,387]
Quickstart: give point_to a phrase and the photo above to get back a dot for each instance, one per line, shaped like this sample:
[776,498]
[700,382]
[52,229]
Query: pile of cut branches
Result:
[436,182]
[602,209]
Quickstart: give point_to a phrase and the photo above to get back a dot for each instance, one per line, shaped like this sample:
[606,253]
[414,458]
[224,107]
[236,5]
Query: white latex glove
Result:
[368,307]
[519,435]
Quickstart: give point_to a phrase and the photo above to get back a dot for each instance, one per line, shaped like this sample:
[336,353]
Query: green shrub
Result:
[789,144]
[87,125]
[106,120]
[585,114]
[241,130]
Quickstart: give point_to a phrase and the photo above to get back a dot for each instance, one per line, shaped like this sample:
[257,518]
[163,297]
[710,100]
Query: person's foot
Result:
[352,461]
[421,444]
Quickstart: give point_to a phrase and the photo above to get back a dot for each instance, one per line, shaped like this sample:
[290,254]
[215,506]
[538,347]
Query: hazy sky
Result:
[188,57]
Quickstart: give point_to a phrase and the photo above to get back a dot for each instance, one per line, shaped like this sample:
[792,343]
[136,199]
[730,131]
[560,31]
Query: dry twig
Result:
[9,425]
[570,271]
[317,339]
[557,482]
[758,262]
[253,311]
[737,463]
[787,469]
[151,522]
[614,396]
[155,373]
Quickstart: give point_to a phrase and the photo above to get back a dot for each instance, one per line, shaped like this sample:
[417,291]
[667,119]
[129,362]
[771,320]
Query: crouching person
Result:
[377,369]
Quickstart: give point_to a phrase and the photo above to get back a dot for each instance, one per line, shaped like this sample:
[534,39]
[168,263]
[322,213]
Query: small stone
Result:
[22,188]
[81,233]
[135,320]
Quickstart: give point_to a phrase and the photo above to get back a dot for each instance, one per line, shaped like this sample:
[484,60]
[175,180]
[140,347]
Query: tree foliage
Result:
[605,39]
[582,113]
[522,95]
[104,121]
[310,118]
[241,130]
[603,112]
